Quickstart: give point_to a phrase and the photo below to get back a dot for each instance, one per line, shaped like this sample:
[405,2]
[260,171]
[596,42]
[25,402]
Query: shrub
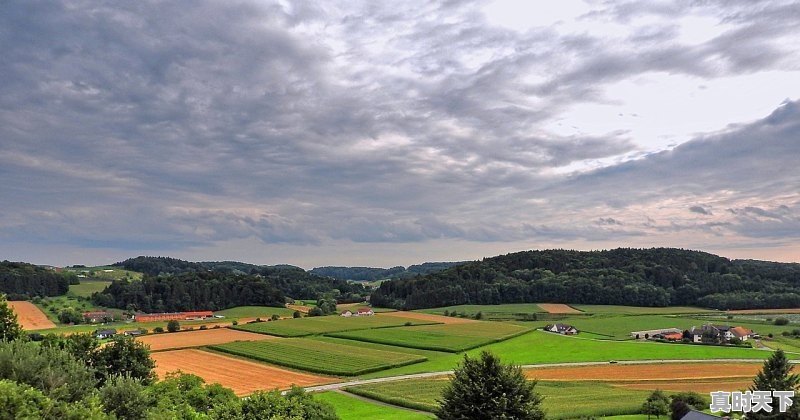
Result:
[235,322]
[158,330]
[297,314]
[203,327]
[275,317]
[781,321]
[173,326]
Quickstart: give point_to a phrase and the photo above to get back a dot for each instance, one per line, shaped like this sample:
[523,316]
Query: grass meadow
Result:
[319,357]
[264,312]
[350,407]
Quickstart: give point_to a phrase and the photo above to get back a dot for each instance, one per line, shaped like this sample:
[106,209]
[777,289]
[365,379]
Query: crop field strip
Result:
[243,376]
[328,324]
[29,316]
[320,357]
[451,338]
[197,338]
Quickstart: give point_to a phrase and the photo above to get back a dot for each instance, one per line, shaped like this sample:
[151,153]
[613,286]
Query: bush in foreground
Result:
[484,388]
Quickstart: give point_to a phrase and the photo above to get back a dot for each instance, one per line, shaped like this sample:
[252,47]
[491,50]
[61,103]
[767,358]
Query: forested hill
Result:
[624,276]
[23,281]
[171,284]
[372,274]
[166,265]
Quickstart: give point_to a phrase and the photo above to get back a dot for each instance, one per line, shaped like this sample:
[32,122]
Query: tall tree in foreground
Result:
[484,388]
[657,404]
[776,375]
[9,327]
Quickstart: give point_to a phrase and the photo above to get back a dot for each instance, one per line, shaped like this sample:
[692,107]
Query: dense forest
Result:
[372,274]
[624,276]
[181,285]
[22,281]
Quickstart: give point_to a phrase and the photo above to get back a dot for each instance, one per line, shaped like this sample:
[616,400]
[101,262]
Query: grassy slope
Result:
[506,308]
[87,287]
[352,408]
[638,310]
[562,399]
[263,312]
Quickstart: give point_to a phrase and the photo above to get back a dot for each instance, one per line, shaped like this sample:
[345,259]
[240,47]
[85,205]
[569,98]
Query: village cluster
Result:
[705,334]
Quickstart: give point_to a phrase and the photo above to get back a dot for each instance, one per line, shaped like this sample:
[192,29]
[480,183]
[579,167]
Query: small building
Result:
[678,336]
[699,415]
[103,334]
[168,316]
[347,314]
[647,334]
[132,333]
[98,316]
[561,329]
[365,312]
[742,333]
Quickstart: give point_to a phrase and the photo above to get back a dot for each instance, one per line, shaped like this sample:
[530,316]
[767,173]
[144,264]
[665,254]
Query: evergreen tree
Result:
[9,327]
[484,388]
[776,375]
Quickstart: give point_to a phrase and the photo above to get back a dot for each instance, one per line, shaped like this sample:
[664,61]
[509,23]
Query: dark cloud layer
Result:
[172,125]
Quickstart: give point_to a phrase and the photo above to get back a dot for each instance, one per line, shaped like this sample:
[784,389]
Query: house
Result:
[132,333]
[98,316]
[699,415]
[168,316]
[103,334]
[724,332]
[742,333]
[647,334]
[561,329]
[365,312]
[677,336]
[347,314]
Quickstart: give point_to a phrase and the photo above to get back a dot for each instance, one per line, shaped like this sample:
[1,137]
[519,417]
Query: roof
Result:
[697,415]
[740,331]
[364,310]
[661,331]
[676,336]
[90,313]
[108,331]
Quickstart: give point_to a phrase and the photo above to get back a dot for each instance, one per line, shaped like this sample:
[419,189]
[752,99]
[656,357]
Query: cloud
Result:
[150,125]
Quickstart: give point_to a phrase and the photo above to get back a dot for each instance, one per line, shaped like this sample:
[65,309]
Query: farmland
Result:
[197,338]
[351,407]
[449,338]
[29,316]
[242,376]
[320,357]
[326,324]
[429,317]
[558,308]
[639,310]
[504,311]
[264,312]
[87,287]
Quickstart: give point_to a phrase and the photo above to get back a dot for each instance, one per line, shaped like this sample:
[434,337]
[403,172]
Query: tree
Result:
[657,404]
[126,398]
[683,402]
[9,327]
[173,326]
[297,314]
[776,375]
[70,316]
[124,356]
[484,388]
[296,404]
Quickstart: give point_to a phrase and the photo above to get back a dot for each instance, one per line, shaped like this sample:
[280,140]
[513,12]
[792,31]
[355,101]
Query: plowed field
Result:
[656,372]
[427,317]
[558,308]
[29,316]
[240,375]
[186,339]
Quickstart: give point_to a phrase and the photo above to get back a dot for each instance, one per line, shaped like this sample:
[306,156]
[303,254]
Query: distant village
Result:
[705,334]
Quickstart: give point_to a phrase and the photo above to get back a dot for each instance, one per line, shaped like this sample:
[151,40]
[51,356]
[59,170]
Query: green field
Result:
[87,287]
[561,399]
[539,347]
[450,338]
[51,306]
[504,311]
[326,324]
[640,310]
[349,407]
[316,356]
[104,273]
[264,312]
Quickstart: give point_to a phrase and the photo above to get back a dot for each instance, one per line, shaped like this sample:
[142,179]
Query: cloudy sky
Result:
[384,133]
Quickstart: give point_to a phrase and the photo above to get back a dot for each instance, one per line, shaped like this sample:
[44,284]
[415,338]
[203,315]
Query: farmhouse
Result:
[168,316]
[103,334]
[132,333]
[719,333]
[561,329]
[742,333]
[347,314]
[98,316]
[647,334]
[365,312]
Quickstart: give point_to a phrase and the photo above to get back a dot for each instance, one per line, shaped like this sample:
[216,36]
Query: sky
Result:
[392,133]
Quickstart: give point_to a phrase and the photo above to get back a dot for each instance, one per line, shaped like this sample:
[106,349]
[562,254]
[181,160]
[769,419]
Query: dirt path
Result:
[340,385]
[244,377]
[30,317]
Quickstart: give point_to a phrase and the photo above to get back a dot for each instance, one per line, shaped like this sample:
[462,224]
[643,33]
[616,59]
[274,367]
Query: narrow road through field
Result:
[340,385]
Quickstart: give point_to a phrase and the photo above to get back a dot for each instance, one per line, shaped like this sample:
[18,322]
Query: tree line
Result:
[372,273]
[22,281]
[212,290]
[623,276]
